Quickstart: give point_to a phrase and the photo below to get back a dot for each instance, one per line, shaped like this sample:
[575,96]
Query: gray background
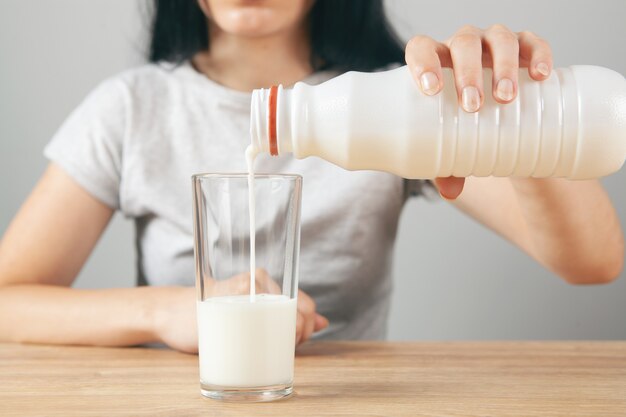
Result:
[454,279]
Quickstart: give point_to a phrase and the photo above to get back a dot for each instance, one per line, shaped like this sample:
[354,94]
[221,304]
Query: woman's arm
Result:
[42,252]
[55,314]
[568,226]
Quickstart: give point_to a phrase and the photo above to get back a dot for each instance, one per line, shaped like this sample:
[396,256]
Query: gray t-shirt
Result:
[136,140]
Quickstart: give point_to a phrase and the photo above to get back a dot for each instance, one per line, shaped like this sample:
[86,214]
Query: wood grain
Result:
[454,379]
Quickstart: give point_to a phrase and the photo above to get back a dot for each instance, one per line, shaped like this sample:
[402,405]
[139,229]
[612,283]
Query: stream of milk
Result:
[251,153]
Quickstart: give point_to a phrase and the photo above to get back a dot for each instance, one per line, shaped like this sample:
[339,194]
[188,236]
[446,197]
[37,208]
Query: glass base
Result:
[246,394]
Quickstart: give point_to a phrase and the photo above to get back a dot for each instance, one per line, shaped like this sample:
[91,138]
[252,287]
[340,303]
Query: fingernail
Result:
[505,90]
[543,69]
[445,197]
[430,83]
[470,99]
[322,320]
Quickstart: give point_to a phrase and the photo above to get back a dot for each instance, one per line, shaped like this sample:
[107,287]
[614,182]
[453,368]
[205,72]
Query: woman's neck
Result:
[244,63]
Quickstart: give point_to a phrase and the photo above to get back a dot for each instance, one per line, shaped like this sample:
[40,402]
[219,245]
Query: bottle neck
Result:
[270,121]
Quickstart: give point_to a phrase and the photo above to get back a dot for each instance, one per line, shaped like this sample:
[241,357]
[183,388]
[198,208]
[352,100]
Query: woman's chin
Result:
[248,32]
[250,22]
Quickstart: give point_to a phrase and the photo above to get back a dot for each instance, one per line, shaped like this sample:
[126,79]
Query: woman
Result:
[134,142]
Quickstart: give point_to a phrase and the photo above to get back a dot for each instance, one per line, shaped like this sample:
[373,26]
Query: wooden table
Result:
[339,379]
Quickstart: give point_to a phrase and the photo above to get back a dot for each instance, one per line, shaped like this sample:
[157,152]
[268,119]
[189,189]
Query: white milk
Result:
[247,344]
[251,153]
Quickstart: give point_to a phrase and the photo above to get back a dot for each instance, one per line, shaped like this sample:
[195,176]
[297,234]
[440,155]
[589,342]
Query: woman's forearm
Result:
[570,227]
[61,315]
[573,228]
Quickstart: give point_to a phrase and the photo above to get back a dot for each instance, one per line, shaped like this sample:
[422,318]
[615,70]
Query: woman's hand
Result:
[308,320]
[175,319]
[176,315]
[467,52]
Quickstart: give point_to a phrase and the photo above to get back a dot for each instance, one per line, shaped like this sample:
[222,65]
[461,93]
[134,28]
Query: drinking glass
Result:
[246,338]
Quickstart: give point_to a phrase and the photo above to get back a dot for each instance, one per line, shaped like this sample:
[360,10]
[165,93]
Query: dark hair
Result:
[345,34]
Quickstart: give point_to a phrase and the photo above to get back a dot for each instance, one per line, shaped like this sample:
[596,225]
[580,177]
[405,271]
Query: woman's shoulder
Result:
[169,83]
[149,79]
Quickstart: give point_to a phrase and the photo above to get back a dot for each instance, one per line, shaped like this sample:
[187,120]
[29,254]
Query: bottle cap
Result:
[271,125]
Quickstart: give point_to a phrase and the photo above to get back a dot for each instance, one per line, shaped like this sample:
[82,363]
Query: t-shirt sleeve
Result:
[89,144]
[416,188]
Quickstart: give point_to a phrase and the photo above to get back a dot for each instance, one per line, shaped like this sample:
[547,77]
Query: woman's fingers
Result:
[306,308]
[503,46]
[450,187]
[504,50]
[264,283]
[299,327]
[422,55]
[321,322]
[308,321]
[536,54]
[466,54]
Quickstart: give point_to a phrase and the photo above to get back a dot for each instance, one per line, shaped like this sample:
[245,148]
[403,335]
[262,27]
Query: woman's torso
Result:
[178,123]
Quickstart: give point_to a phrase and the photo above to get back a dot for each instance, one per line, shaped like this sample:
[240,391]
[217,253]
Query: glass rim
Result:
[241,175]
